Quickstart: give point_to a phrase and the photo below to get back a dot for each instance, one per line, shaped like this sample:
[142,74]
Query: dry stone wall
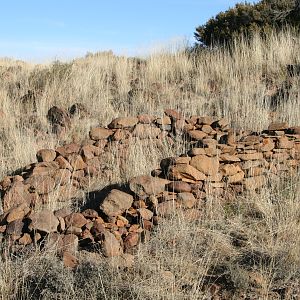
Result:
[220,162]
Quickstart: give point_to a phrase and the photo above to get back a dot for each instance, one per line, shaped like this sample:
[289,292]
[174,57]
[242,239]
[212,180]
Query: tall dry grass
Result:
[246,249]
[222,82]
[250,245]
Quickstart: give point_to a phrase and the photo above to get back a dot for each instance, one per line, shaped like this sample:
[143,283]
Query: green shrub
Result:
[247,19]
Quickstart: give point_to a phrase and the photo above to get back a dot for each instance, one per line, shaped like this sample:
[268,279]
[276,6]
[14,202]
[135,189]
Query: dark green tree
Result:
[247,19]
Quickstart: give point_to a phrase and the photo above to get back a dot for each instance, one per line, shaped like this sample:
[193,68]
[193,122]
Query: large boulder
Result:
[186,173]
[17,194]
[205,164]
[44,221]
[17,213]
[41,184]
[75,220]
[144,186]
[116,202]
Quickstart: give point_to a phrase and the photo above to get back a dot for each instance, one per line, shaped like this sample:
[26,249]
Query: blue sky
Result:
[39,30]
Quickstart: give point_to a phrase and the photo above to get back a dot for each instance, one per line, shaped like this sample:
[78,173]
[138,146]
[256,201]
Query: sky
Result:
[45,30]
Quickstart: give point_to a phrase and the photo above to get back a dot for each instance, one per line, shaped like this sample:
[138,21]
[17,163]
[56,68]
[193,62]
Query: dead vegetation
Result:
[248,249]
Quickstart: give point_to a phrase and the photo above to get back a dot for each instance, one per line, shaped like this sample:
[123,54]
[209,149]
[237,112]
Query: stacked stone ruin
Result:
[220,161]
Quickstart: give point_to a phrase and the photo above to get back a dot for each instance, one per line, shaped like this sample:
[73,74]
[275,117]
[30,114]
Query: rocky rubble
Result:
[220,162]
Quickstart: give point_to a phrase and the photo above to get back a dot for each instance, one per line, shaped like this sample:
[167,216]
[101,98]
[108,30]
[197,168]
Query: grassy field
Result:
[250,247]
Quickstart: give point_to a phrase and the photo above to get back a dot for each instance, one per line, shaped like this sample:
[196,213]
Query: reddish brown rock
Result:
[17,194]
[235,178]
[206,165]
[123,123]
[5,183]
[179,187]
[79,110]
[251,156]
[99,133]
[284,143]
[63,212]
[69,260]
[206,129]
[75,220]
[186,173]
[186,200]
[41,184]
[182,160]
[215,178]
[15,228]
[278,126]
[44,168]
[110,245]
[146,119]
[139,204]
[98,227]
[145,213]
[197,135]
[116,202]
[77,175]
[70,243]
[166,208]
[229,158]
[53,242]
[62,224]
[146,131]
[88,152]
[90,213]
[58,116]
[164,121]
[230,169]
[44,221]
[173,114]
[18,212]
[63,163]
[144,186]
[197,151]
[131,240]
[222,123]
[206,120]
[46,155]
[181,126]
[62,176]
[68,149]
[76,162]
[121,135]
[267,145]
[2,228]
[212,151]
[25,239]
[252,139]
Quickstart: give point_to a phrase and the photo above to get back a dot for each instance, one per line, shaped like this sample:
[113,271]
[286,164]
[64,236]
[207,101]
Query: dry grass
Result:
[248,247]
[233,84]
[251,244]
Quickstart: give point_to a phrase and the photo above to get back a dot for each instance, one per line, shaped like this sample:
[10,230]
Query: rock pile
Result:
[220,162]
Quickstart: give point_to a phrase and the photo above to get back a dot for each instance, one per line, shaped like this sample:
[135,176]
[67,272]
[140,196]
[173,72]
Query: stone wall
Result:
[220,161]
